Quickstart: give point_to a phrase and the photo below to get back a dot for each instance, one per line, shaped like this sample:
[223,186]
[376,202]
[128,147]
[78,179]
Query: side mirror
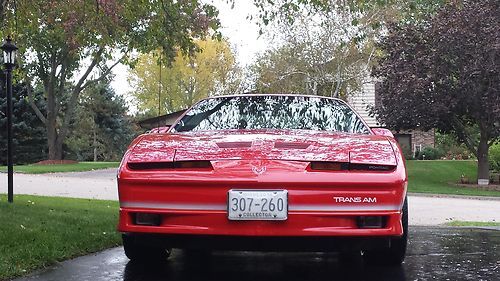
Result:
[382,132]
[159,130]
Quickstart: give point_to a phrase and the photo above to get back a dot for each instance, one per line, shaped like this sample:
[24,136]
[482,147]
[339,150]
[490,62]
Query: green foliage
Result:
[101,130]
[435,74]
[328,54]
[452,150]
[39,231]
[429,153]
[29,138]
[327,46]
[213,71]
[495,157]
[285,11]
[68,45]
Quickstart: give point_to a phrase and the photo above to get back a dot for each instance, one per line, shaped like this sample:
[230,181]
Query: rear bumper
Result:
[298,224]
[261,243]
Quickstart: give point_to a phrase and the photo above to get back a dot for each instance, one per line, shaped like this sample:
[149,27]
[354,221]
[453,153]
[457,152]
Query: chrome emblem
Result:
[259,170]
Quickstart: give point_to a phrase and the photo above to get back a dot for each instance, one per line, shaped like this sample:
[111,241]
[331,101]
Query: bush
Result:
[429,153]
[494,157]
[451,148]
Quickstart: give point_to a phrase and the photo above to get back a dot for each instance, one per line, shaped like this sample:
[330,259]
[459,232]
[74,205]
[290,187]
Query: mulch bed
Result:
[491,186]
[55,162]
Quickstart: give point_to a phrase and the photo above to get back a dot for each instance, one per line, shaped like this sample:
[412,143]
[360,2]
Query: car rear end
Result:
[265,172]
[224,200]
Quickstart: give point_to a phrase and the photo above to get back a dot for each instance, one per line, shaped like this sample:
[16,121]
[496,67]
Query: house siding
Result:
[362,102]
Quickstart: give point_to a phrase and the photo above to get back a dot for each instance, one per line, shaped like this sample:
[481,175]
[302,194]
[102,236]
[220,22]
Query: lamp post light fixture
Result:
[9,60]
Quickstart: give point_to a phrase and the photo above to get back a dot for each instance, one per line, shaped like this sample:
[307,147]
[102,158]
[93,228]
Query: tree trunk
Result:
[55,144]
[94,144]
[483,166]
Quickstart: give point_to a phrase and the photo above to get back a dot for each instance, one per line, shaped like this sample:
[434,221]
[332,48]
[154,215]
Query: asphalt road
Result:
[434,253]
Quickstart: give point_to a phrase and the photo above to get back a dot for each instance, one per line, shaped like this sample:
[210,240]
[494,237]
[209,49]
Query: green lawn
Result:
[435,176]
[58,168]
[38,231]
[472,223]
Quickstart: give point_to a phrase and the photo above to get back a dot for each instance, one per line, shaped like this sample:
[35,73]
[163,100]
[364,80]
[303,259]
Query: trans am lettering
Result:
[339,199]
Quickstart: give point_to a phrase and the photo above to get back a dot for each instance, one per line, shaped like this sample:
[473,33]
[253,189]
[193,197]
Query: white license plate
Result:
[257,204]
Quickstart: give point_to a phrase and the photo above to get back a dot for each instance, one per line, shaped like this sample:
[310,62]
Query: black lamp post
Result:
[9,57]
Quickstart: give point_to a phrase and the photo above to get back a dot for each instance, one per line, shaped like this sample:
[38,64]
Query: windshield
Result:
[271,112]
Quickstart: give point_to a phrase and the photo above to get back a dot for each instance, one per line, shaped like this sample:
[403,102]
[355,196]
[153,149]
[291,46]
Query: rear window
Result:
[271,112]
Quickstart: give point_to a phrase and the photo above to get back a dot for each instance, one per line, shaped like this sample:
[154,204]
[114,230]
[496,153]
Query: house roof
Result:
[160,121]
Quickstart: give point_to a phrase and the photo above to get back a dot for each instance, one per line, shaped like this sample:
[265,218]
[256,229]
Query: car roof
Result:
[268,95]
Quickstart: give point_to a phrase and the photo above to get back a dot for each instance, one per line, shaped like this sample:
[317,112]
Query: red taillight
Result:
[328,166]
[170,165]
[341,166]
[150,165]
[193,165]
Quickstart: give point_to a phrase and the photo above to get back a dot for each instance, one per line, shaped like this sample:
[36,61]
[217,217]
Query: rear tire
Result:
[137,251]
[395,254]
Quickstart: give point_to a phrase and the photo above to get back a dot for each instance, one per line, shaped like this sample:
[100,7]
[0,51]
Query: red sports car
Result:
[265,172]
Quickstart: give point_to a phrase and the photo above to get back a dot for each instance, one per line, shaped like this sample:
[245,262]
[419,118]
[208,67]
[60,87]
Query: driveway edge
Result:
[470,197]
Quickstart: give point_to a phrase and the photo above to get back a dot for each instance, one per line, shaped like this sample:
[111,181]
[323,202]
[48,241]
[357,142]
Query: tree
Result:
[328,46]
[444,74]
[29,139]
[188,79]
[285,11]
[69,45]
[102,130]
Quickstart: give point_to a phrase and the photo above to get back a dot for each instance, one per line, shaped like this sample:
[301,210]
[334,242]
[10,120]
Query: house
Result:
[160,121]
[411,141]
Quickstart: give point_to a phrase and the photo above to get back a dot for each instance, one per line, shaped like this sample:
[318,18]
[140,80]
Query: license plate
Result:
[257,204]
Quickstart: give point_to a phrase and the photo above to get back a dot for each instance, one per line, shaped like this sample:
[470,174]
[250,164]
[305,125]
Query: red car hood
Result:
[264,145]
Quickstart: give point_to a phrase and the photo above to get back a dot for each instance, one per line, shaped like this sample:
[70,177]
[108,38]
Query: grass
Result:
[38,231]
[438,176]
[472,223]
[60,168]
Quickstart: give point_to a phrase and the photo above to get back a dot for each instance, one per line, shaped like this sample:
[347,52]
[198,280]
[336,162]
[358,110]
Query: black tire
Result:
[137,251]
[395,254]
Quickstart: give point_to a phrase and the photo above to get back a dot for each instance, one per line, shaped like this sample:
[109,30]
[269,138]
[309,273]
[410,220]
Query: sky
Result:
[242,34]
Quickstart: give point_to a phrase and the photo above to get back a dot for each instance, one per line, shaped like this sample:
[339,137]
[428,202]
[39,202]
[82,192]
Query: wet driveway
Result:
[436,253]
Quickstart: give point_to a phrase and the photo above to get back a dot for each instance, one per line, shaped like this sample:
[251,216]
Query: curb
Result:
[469,197]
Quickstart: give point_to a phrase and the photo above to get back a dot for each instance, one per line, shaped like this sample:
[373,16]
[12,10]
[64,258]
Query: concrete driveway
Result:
[101,184]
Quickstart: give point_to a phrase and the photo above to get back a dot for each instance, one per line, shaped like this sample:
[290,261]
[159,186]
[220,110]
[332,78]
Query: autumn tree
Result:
[325,47]
[327,57]
[445,74]
[212,71]
[69,45]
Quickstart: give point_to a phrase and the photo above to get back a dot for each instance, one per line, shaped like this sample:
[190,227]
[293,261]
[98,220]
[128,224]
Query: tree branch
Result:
[80,86]
[33,105]
[462,133]
[97,57]
[103,75]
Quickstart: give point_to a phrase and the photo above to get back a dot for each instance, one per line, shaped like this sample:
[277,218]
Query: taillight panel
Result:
[342,166]
[179,165]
